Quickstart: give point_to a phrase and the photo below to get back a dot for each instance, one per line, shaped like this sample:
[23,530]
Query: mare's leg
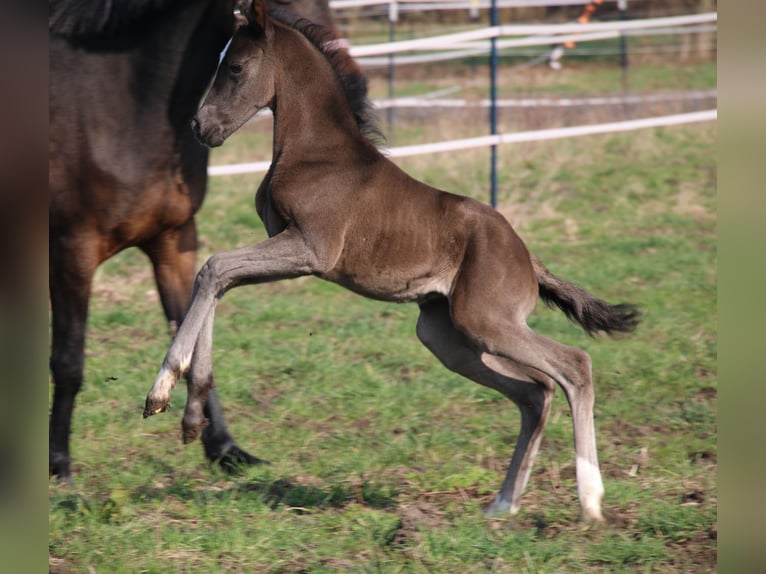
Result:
[283,256]
[438,333]
[500,328]
[70,274]
[173,255]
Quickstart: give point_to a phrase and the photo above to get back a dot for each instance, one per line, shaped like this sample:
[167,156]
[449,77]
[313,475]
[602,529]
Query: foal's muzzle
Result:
[206,129]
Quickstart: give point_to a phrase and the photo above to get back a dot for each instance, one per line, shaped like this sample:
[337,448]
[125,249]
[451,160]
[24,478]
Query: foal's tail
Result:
[591,313]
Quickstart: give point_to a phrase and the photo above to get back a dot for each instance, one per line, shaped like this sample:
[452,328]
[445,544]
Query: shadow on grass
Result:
[294,495]
[284,492]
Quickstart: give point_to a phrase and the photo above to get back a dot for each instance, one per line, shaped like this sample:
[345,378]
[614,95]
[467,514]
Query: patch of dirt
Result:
[338,564]
[622,433]
[704,457]
[697,554]
[415,517]
[58,566]
[708,393]
[688,204]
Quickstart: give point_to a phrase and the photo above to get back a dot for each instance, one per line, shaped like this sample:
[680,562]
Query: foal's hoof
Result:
[498,508]
[158,399]
[235,459]
[191,431]
[155,406]
[593,517]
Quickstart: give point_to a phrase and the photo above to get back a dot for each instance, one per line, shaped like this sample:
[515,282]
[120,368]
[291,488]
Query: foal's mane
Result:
[90,19]
[346,69]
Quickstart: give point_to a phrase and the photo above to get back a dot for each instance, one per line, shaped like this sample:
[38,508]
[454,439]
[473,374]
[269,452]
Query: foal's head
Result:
[244,82]
[247,76]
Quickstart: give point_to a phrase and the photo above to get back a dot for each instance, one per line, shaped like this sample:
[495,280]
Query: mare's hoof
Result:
[59,469]
[155,406]
[235,459]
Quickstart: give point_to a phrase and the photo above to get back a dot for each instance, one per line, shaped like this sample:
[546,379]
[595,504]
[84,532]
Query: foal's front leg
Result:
[283,256]
[199,382]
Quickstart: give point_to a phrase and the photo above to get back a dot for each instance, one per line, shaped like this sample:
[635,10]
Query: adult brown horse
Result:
[336,208]
[125,169]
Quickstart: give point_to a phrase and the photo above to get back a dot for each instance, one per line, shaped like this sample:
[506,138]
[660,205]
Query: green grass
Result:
[382,459]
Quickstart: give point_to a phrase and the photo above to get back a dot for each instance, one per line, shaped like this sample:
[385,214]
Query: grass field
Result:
[381,460]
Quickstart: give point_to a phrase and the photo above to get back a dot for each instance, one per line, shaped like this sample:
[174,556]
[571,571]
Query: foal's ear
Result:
[250,12]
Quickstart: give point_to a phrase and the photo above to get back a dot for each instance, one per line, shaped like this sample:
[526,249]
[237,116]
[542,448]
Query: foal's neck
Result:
[312,115]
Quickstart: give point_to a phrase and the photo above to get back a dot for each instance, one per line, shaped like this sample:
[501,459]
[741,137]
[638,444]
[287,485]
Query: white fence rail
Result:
[457,4]
[482,47]
[437,102]
[537,35]
[500,139]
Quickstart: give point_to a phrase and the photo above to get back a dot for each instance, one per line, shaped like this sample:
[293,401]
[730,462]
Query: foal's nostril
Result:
[195,126]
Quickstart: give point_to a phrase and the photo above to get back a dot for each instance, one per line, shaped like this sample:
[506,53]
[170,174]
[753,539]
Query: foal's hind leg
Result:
[489,328]
[173,256]
[438,333]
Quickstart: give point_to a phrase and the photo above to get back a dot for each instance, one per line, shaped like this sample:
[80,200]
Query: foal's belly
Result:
[394,286]
[397,259]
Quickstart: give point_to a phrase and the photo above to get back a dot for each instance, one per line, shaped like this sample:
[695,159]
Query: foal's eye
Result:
[235,68]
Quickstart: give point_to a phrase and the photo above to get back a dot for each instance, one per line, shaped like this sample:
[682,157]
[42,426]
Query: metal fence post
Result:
[493,107]
[393,16]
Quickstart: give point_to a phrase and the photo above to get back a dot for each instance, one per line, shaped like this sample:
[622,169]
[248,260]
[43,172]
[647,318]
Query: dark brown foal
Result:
[336,208]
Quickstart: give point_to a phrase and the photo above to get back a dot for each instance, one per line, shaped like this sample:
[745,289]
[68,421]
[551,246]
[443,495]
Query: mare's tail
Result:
[591,313]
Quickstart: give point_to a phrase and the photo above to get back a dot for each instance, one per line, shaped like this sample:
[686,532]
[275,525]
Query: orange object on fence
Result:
[584,18]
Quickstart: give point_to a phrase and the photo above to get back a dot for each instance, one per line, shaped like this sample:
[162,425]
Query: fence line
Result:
[431,102]
[434,100]
[538,34]
[476,48]
[457,4]
[500,139]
